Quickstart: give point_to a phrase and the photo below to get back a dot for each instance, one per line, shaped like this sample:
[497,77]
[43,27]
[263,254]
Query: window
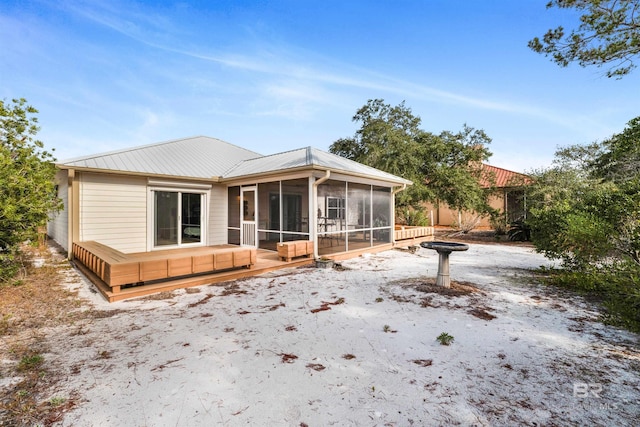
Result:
[335,208]
[177,218]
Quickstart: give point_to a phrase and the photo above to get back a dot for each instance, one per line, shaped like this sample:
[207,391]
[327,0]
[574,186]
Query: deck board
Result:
[266,261]
[121,276]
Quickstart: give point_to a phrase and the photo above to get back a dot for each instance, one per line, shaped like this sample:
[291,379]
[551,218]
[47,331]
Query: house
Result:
[506,195]
[180,196]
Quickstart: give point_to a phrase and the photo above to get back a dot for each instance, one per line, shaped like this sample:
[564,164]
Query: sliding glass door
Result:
[177,218]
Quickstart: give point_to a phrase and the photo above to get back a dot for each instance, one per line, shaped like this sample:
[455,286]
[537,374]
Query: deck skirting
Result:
[116,269]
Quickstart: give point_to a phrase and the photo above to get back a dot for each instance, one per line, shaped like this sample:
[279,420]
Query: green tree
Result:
[27,196]
[620,155]
[443,168]
[608,34]
[452,169]
[586,208]
[389,139]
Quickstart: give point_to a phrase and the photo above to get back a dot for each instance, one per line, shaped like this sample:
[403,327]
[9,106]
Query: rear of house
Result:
[202,191]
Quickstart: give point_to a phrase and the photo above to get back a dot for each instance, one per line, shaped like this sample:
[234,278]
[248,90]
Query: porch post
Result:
[313,218]
[73,211]
[393,211]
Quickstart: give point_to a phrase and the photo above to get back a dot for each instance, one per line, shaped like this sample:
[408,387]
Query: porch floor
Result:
[266,261]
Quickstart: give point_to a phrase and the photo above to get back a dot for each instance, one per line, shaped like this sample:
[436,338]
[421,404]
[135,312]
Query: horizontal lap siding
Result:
[113,211]
[218,215]
[57,227]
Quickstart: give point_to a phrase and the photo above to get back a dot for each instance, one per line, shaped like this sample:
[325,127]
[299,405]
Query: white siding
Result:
[113,211]
[58,225]
[218,215]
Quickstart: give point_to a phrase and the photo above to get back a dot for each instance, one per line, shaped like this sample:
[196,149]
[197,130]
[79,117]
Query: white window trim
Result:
[205,191]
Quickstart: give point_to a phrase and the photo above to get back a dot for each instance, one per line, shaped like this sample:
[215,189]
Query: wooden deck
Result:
[407,233]
[121,276]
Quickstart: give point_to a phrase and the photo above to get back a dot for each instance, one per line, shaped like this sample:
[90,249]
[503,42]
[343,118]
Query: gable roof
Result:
[194,157]
[202,157]
[501,178]
[306,158]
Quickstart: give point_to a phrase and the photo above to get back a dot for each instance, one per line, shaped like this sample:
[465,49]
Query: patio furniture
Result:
[295,248]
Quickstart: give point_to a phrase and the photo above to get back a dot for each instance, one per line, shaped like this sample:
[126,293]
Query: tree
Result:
[586,208]
[389,139]
[452,168]
[443,168]
[26,181]
[620,158]
[608,34]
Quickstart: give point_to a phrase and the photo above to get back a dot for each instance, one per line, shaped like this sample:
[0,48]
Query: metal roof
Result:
[306,158]
[195,157]
[502,178]
[209,158]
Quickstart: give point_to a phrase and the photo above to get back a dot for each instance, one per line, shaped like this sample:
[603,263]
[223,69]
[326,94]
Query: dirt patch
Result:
[325,305]
[34,301]
[233,289]
[428,286]
[316,367]
[288,357]
[481,313]
[457,288]
[202,301]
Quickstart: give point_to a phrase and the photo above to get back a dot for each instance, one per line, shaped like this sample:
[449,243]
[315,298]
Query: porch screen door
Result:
[249,230]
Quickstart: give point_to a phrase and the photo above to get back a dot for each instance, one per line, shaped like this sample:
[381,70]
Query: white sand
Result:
[216,357]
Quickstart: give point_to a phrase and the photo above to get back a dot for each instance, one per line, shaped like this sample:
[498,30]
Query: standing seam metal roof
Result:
[205,157]
[195,157]
[308,157]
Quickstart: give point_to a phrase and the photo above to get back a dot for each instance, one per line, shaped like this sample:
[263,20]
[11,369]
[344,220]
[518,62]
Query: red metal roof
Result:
[499,177]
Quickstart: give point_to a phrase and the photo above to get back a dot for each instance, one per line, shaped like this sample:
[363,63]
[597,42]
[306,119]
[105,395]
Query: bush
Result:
[615,286]
[498,223]
[519,231]
[467,222]
[27,191]
[413,217]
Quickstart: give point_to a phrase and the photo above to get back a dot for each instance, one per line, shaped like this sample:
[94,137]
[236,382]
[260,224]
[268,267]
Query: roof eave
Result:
[63,166]
[398,181]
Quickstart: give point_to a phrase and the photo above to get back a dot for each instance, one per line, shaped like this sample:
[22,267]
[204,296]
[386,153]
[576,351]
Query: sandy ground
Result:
[352,346]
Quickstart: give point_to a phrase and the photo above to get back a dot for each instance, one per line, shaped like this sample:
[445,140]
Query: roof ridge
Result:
[145,146]
[504,169]
[128,149]
[259,157]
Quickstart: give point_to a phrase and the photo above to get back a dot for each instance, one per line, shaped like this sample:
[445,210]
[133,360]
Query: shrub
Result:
[413,217]
[498,223]
[466,222]
[27,191]
[519,231]
[445,339]
[616,286]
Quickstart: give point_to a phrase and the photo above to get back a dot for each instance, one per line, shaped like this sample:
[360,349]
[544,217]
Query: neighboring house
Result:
[202,191]
[507,196]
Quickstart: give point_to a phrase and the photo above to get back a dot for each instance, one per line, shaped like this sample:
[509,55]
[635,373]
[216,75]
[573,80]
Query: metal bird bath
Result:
[444,249]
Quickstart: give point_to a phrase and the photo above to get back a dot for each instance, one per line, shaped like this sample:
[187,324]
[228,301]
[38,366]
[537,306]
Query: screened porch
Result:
[341,216]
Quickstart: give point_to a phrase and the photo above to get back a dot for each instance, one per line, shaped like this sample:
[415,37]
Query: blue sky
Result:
[273,76]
